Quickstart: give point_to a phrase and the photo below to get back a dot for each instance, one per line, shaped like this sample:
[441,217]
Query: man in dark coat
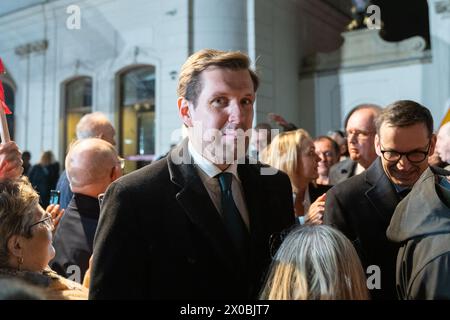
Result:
[92,164]
[198,223]
[421,225]
[91,125]
[362,206]
[360,129]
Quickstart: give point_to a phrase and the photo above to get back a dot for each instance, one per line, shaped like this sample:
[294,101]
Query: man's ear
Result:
[432,144]
[116,173]
[183,111]
[15,246]
[377,145]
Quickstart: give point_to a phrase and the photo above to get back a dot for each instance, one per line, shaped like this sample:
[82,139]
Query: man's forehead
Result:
[410,137]
[217,78]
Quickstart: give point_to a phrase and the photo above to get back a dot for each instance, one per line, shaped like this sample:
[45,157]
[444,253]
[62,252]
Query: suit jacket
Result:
[74,237]
[161,237]
[361,207]
[342,171]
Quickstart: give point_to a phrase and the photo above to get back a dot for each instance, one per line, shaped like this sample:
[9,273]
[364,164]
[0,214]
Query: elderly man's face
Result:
[412,139]
[108,134]
[360,137]
[223,113]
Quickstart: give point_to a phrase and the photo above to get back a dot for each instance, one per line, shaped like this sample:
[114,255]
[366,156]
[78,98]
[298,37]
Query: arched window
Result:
[78,102]
[10,102]
[137,116]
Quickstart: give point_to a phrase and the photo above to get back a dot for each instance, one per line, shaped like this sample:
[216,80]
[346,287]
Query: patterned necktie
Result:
[232,218]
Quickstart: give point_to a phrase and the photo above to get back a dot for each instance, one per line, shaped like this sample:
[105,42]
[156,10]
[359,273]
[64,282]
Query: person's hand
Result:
[56,213]
[278,119]
[10,161]
[316,211]
[87,275]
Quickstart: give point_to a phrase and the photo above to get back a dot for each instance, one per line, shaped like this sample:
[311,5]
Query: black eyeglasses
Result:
[47,221]
[415,156]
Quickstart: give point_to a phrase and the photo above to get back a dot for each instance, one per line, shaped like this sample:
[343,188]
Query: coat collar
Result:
[382,193]
[199,208]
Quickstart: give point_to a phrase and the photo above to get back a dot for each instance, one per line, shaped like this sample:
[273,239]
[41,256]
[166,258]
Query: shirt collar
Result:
[209,168]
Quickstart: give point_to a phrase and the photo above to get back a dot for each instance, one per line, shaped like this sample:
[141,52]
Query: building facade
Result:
[122,57]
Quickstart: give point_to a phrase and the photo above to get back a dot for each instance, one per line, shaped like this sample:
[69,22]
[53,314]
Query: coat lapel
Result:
[252,194]
[197,204]
[382,194]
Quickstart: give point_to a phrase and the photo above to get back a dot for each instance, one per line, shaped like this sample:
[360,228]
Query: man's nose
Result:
[237,113]
[403,163]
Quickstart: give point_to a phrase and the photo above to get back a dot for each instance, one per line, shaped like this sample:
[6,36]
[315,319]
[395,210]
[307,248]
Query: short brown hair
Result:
[189,82]
[405,113]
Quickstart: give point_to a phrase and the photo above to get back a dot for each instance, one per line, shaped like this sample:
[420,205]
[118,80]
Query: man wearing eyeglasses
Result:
[92,165]
[362,206]
[360,130]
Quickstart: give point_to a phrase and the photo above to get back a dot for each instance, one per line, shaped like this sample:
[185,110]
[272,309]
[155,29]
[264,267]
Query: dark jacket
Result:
[74,236]
[342,171]
[161,237]
[421,224]
[40,180]
[361,207]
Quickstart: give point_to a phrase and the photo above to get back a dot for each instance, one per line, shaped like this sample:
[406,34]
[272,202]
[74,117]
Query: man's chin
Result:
[355,157]
[404,181]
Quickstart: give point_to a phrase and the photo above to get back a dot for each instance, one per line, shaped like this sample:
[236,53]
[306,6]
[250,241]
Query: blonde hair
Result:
[47,158]
[189,81]
[18,200]
[285,150]
[316,262]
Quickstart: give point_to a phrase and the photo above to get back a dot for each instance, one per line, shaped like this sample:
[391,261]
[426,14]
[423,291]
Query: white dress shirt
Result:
[208,172]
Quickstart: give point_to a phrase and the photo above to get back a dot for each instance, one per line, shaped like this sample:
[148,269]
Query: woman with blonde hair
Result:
[26,242]
[293,152]
[315,262]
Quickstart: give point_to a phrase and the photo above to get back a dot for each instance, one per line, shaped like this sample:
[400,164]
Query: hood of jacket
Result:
[424,211]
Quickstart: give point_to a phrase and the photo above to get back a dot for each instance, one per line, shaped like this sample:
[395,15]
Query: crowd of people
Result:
[361,214]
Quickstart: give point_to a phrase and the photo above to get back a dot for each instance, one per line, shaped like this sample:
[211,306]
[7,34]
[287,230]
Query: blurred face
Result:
[108,134]
[442,144]
[360,137]
[413,140]
[224,112]
[260,139]
[327,155]
[37,251]
[309,160]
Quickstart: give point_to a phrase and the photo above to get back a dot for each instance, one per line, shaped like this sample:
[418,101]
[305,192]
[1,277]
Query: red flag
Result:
[2,93]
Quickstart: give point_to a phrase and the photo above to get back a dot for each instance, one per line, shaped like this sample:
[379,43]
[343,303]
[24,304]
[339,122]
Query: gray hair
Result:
[92,125]
[405,113]
[18,200]
[87,161]
[315,262]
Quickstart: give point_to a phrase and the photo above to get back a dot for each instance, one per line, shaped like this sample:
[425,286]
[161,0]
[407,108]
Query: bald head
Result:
[92,164]
[443,142]
[96,125]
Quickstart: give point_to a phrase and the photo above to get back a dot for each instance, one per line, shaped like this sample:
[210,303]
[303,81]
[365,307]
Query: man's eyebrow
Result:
[223,93]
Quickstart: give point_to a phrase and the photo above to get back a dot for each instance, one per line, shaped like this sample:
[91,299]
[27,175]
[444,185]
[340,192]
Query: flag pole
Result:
[4,131]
